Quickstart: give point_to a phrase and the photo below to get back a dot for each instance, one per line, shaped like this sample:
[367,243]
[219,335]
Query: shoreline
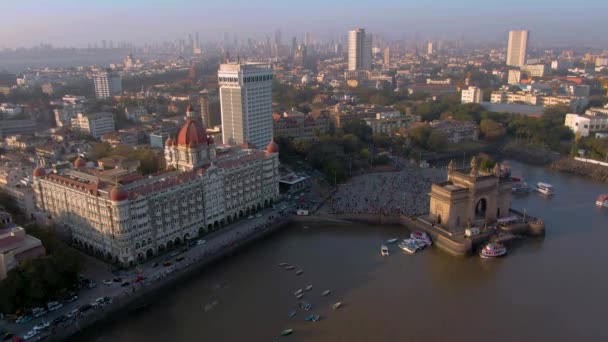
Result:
[142,298]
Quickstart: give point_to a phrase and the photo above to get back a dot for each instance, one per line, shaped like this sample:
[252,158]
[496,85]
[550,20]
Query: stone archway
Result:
[216,225]
[222,222]
[439,219]
[259,206]
[161,248]
[209,227]
[201,231]
[169,244]
[266,203]
[241,213]
[481,207]
[186,237]
[149,253]
[177,241]
[229,218]
[141,256]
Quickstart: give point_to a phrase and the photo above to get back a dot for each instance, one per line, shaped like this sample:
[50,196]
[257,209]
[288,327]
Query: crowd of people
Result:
[402,192]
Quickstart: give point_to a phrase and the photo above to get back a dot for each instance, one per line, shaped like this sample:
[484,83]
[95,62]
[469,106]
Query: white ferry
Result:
[493,250]
[421,236]
[545,188]
[602,201]
[384,250]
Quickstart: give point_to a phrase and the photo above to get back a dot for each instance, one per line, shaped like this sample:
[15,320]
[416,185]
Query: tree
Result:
[358,128]
[491,129]
[437,140]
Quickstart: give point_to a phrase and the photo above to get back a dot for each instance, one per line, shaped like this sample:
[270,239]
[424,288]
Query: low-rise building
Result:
[534,70]
[471,95]
[389,122]
[16,127]
[135,113]
[16,247]
[514,76]
[587,123]
[300,126]
[95,124]
[457,131]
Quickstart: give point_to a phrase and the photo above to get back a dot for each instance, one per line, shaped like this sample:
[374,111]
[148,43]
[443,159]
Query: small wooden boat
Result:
[309,317]
[325,293]
[283,264]
[300,295]
[336,305]
[308,288]
[292,313]
[316,318]
[393,240]
[290,267]
[299,272]
[298,292]
[286,332]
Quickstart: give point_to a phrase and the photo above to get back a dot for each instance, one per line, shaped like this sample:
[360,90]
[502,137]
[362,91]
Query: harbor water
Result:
[546,289]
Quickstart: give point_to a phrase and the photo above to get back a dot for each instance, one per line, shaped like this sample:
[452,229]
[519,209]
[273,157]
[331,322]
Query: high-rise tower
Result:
[359,50]
[518,48]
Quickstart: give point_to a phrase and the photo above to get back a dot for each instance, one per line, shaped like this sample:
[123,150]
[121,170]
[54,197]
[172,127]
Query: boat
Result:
[290,267]
[493,250]
[336,305]
[545,188]
[602,201]
[283,264]
[384,250]
[299,291]
[299,272]
[421,236]
[393,240]
[325,293]
[286,332]
[309,317]
[292,313]
[300,295]
[407,247]
[308,288]
[307,306]
[521,188]
[316,318]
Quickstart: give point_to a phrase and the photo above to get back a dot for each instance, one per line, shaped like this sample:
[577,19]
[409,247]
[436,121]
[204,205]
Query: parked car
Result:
[167,263]
[92,284]
[58,320]
[154,265]
[85,308]
[108,282]
[125,283]
[117,280]
[23,319]
[174,254]
[72,298]
[179,258]
[8,336]
[41,326]
[39,312]
[30,334]
[52,306]
[200,242]
[74,313]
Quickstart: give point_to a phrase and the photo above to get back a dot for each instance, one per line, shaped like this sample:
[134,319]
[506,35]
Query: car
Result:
[72,298]
[107,300]
[117,279]
[200,242]
[8,336]
[58,320]
[125,283]
[23,319]
[179,258]
[85,308]
[92,284]
[167,263]
[39,313]
[100,301]
[55,306]
[30,334]
[154,265]
[258,215]
[42,326]
[108,282]
[174,254]
[74,313]
[250,217]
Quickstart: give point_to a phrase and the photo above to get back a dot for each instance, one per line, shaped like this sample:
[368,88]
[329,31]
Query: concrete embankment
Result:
[579,168]
[530,154]
[139,300]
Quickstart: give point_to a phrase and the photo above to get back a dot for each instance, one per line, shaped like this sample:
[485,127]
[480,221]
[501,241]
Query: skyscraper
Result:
[107,84]
[387,56]
[359,50]
[246,103]
[518,48]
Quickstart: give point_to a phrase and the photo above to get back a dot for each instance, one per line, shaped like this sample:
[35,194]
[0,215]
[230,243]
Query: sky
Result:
[79,22]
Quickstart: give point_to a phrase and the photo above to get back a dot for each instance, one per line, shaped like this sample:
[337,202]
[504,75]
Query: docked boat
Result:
[283,264]
[384,250]
[393,240]
[292,313]
[298,292]
[307,306]
[309,317]
[493,250]
[290,267]
[407,247]
[602,201]
[299,272]
[300,295]
[545,188]
[286,332]
[325,293]
[336,305]
[316,318]
[521,188]
[308,288]
[421,236]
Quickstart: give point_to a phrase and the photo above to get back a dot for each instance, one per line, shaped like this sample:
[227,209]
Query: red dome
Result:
[39,172]
[192,133]
[169,142]
[273,147]
[80,162]
[117,194]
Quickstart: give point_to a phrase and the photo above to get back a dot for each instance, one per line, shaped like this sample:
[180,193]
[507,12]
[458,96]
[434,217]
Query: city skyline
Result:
[135,21]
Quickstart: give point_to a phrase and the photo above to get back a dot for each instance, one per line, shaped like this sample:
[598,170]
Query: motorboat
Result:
[299,291]
[309,317]
[325,293]
[602,201]
[299,272]
[307,306]
[316,318]
[286,332]
[308,288]
[493,250]
[292,313]
[300,295]
[421,236]
[407,247]
[545,188]
[290,267]
[384,250]
[336,305]
[521,188]
[283,264]
[393,240]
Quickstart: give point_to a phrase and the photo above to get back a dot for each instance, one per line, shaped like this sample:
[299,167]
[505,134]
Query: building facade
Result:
[457,131]
[359,50]
[471,95]
[16,247]
[96,124]
[517,49]
[300,126]
[583,125]
[246,103]
[131,217]
[107,83]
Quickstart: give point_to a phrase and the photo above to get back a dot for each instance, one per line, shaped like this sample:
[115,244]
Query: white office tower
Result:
[359,50]
[246,103]
[107,84]
[517,48]
[472,95]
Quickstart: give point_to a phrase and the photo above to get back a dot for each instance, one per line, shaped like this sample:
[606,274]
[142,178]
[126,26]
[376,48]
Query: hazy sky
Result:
[78,22]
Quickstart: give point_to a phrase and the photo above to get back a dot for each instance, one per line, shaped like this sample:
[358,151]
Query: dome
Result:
[80,162]
[118,195]
[273,147]
[39,172]
[192,133]
[169,142]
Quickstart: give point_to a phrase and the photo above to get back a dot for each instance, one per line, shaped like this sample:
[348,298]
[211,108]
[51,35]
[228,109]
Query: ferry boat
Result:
[545,188]
[421,236]
[493,250]
[521,188]
[325,293]
[336,305]
[602,201]
[384,250]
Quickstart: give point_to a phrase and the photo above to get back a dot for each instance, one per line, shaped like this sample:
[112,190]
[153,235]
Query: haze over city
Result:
[77,23]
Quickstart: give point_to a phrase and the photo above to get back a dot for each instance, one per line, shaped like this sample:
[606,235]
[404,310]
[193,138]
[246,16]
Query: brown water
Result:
[551,289]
